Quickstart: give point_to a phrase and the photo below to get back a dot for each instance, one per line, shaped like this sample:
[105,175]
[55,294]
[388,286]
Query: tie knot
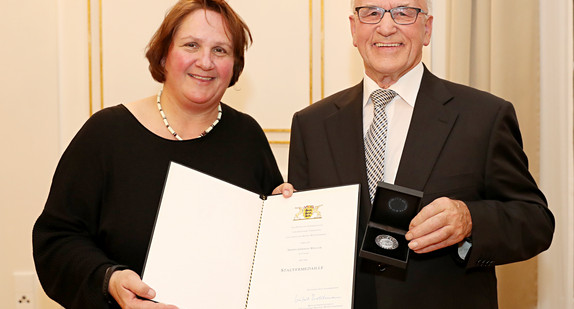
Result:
[382,97]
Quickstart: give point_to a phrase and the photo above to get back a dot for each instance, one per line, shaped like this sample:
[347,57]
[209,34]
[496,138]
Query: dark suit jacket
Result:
[463,144]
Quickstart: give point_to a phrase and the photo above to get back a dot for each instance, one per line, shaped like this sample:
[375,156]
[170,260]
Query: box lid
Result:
[395,206]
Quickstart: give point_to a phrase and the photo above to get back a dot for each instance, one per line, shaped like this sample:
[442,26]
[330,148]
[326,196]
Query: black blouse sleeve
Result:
[69,262]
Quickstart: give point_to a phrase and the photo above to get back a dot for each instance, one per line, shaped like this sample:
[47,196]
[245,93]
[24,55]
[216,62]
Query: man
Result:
[460,146]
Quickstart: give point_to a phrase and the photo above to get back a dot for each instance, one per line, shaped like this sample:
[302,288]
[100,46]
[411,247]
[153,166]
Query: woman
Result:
[107,187]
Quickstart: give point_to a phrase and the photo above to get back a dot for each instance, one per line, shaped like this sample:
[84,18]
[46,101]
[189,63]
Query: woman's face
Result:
[199,63]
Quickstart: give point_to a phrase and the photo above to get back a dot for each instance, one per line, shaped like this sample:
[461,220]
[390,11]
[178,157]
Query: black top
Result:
[107,188]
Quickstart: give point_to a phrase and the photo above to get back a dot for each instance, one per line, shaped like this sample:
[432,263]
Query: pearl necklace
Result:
[204,133]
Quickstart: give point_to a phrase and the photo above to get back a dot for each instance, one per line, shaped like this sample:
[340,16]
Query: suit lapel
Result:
[344,130]
[345,135]
[430,126]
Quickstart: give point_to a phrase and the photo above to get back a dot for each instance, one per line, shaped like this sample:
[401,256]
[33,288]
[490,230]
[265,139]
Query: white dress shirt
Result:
[399,112]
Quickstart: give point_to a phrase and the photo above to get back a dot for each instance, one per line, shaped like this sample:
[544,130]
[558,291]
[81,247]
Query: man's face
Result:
[390,50]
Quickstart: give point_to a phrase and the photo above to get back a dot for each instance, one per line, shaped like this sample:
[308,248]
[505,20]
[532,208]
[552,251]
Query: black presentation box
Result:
[393,209]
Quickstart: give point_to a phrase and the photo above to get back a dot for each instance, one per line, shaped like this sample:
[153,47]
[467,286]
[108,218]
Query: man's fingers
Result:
[426,227]
[437,239]
[433,247]
[442,223]
[426,212]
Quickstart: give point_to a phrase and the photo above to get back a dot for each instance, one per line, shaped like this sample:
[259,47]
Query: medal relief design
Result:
[397,204]
[307,212]
[386,242]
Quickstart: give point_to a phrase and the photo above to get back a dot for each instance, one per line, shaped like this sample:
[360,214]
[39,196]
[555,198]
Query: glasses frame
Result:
[419,11]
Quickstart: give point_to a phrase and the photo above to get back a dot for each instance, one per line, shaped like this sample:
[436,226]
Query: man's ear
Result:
[428,30]
[352,25]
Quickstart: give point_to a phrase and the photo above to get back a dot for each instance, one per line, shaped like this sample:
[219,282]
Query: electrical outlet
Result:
[24,290]
[24,301]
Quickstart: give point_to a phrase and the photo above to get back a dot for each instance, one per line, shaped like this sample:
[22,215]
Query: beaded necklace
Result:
[204,133]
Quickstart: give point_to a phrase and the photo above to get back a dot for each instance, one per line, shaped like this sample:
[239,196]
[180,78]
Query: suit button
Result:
[382,267]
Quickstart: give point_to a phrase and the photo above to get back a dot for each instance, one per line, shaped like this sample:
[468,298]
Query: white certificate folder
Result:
[216,245]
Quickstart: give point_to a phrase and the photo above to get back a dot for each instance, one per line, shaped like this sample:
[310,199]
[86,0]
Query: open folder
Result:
[216,245]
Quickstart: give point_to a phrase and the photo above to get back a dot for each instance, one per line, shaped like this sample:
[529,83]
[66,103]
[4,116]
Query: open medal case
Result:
[393,209]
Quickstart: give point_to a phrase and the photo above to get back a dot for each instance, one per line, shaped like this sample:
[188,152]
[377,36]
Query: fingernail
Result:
[150,293]
[409,236]
[413,245]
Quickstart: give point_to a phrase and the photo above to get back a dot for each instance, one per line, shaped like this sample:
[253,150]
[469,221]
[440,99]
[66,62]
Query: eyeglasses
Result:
[401,15]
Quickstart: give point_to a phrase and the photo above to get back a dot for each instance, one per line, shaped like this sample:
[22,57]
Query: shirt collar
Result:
[407,87]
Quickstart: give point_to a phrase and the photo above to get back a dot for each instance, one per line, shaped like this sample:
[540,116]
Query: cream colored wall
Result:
[29,128]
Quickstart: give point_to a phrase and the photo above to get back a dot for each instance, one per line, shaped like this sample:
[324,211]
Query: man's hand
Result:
[125,287]
[285,188]
[440,224]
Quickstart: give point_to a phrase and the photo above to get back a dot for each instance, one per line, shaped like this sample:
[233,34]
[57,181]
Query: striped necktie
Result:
[376,139]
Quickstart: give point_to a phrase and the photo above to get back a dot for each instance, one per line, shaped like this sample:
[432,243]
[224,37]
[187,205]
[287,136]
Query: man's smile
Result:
[387,44]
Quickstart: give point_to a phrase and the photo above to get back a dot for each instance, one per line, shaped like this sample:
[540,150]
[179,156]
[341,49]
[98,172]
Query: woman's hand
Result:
[125,287]
[285,188]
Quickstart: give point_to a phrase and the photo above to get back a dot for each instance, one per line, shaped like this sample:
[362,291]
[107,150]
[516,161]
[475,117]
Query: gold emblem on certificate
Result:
[307,212]
[386,242]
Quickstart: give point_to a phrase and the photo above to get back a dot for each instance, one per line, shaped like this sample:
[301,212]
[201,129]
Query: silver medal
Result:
[386,242]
